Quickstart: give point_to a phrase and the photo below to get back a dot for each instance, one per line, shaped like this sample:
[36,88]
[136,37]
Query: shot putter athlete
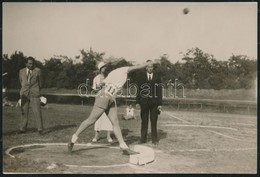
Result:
[106,102]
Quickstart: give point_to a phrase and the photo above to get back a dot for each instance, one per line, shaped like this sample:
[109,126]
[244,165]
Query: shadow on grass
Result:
[89,148]
[57,128]
[125,132]
[135,139]
[161,134]
[29,130]
[45,131]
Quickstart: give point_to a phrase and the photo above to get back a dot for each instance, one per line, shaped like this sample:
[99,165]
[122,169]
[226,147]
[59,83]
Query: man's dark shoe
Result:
[141,142]
[70,147]
[155,143]
[22,131]
[128,151]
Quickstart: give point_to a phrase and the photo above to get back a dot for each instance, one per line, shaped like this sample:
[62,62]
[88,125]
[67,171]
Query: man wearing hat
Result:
[103,123]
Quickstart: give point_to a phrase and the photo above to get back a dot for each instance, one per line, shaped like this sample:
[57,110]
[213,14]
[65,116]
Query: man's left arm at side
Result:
[159,92]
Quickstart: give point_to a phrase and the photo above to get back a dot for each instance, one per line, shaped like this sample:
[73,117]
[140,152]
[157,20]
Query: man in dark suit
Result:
[31,83]
[149,97]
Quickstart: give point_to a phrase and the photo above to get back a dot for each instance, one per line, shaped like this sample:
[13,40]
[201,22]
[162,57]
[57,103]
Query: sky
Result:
[134,31]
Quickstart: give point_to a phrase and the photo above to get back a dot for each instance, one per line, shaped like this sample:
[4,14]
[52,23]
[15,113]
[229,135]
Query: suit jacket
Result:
[149,91]
[33,88]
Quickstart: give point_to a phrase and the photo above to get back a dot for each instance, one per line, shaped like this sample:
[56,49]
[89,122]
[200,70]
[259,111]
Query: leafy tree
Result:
[66,77]
[197,68]
[219,72]
[51,70]
[242,70]
[12,66]
[166,69]
[88,69]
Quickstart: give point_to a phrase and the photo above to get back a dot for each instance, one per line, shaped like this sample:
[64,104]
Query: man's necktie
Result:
[29,76]
[150,77]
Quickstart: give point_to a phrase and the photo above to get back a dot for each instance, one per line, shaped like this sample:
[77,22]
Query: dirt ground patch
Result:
[190,142]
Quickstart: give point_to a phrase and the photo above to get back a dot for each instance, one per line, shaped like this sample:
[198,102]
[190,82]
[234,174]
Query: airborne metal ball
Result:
[186,10]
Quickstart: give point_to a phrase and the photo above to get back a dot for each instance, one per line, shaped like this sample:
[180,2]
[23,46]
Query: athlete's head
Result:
[102,67]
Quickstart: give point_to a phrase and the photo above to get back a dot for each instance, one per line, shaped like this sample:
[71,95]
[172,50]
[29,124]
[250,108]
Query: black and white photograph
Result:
[129,87]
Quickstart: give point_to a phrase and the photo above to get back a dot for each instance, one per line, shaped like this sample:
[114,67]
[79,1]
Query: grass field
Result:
[190,142]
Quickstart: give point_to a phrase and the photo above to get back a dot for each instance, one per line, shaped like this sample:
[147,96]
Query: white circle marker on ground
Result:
[171,115]
[230,137]
[210,150]
[198,126]
[41,149]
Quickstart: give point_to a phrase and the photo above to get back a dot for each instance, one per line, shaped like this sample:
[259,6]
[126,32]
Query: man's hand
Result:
[101,84]
[137,106]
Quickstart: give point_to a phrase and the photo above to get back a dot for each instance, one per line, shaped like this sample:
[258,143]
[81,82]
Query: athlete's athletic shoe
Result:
[70,147]
[94,140]
[128,151]
[110,140]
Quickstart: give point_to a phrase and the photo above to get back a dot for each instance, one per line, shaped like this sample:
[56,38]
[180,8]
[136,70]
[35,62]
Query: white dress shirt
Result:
[150,76]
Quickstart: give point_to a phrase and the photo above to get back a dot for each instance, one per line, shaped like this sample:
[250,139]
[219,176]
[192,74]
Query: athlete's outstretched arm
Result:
[140,66]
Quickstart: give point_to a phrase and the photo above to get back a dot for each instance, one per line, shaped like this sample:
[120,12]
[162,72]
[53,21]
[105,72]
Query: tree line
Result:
[196,70]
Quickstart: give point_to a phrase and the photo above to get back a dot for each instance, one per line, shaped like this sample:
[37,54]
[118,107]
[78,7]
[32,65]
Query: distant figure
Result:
[6,102]
[129,113]
[31,82]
